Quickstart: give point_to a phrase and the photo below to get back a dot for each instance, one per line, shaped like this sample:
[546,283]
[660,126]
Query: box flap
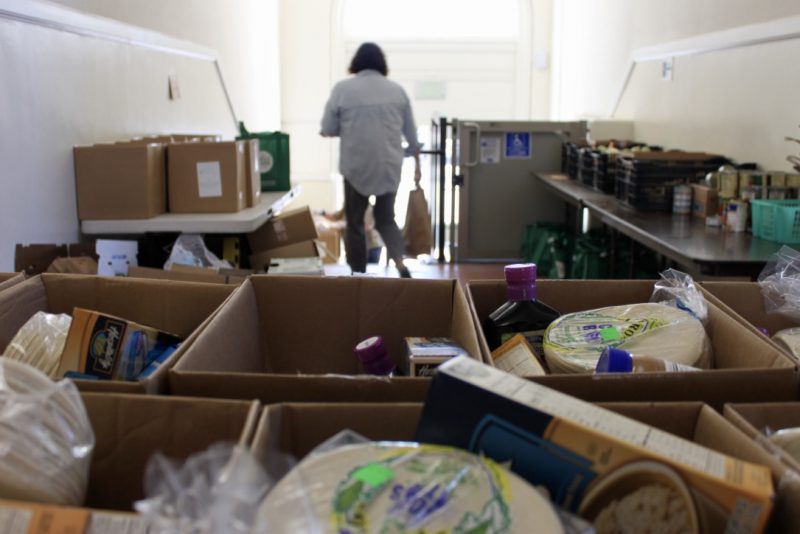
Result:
[271,389]
[130,428]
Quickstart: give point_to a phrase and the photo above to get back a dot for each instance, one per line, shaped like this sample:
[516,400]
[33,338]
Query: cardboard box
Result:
[178,307]
[36,259]
[287,228]
[704,201]
[184,273]
[120,181]
[260,261]
[743,301]
[752,420]
[332,239]
[207,177]
[129,429]
[10,279]
[252,173]
[296,429]
[734,347]
[566,444]
[290,339]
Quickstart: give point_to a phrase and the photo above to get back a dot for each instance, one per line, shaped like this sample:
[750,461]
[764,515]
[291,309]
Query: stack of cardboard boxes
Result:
[287,343]
[146,177]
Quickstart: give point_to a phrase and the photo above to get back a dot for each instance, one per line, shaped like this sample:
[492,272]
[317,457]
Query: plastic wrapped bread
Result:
[573,343]
[789,339]
[46,436]
[40,342]
[393,487]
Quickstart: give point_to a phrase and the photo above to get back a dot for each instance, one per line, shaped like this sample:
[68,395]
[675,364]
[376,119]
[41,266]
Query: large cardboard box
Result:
[743,301]
[291,339]
[287,228]
[734,347]
[207,177]
[332,239]
[260,261]
[120,181]
[176,307]
[129,429]
[10,279]
[757,420]
[252,173]
[737,351]
[293,430]
[37,258]
[183,273]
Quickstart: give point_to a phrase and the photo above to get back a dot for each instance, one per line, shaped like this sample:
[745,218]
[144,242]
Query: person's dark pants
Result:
[355,238]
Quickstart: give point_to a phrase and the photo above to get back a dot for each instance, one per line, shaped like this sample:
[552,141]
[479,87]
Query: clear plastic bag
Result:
[349,484]
[678,289]
[46,438]
[189,249]
[40,342]
[216,491]
[780,283]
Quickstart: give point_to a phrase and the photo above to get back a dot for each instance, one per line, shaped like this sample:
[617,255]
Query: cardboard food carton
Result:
[207,177]
[177,307]
[704,201]
[291,338]
[294,430]
[286,228]
[577,450]
[34,518]
[744,302]
[120,181]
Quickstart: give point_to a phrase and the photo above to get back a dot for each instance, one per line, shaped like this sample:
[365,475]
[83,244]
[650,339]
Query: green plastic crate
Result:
[777,220]
[273,158]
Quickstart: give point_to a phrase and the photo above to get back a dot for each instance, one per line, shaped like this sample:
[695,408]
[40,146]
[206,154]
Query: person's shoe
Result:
[404,273]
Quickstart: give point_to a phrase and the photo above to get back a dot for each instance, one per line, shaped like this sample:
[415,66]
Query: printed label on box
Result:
[209,179]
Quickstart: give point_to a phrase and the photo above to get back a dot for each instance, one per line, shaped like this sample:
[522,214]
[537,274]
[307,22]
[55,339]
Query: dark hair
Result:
[369,56]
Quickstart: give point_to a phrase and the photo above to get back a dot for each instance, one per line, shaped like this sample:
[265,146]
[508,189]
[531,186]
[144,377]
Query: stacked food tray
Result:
[645,180]
[571,158]
[604,162]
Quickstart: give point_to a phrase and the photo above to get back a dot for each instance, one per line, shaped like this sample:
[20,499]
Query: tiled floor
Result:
[463,272]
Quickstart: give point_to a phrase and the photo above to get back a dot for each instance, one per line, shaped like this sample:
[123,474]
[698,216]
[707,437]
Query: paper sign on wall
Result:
[518,145]
[490,149]
[209,179]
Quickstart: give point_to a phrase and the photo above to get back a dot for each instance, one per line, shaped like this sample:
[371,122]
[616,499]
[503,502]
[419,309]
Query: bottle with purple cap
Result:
[374,357]
[522,313]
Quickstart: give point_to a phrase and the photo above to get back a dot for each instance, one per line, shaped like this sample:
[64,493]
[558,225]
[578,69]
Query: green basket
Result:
[273,158]
[777,220]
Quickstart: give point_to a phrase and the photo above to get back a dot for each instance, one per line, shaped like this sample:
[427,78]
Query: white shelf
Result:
[242,222]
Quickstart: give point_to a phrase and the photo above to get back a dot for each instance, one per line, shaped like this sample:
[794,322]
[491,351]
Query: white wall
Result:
[244,33]
[482,81]
[739,102]
[60,89]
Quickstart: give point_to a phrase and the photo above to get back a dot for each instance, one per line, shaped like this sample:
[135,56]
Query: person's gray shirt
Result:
[370,113]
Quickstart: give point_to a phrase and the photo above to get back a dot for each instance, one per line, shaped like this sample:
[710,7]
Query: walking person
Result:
[371,114]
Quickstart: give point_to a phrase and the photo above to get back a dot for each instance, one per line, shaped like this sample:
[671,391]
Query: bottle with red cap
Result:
[374,357]
[522,314]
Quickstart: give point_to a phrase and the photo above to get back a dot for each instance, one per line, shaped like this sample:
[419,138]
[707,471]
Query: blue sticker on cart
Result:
[518,145]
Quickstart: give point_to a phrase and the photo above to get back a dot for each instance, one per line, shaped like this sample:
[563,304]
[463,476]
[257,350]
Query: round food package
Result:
[404,488]
[789,339]
[573,343]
